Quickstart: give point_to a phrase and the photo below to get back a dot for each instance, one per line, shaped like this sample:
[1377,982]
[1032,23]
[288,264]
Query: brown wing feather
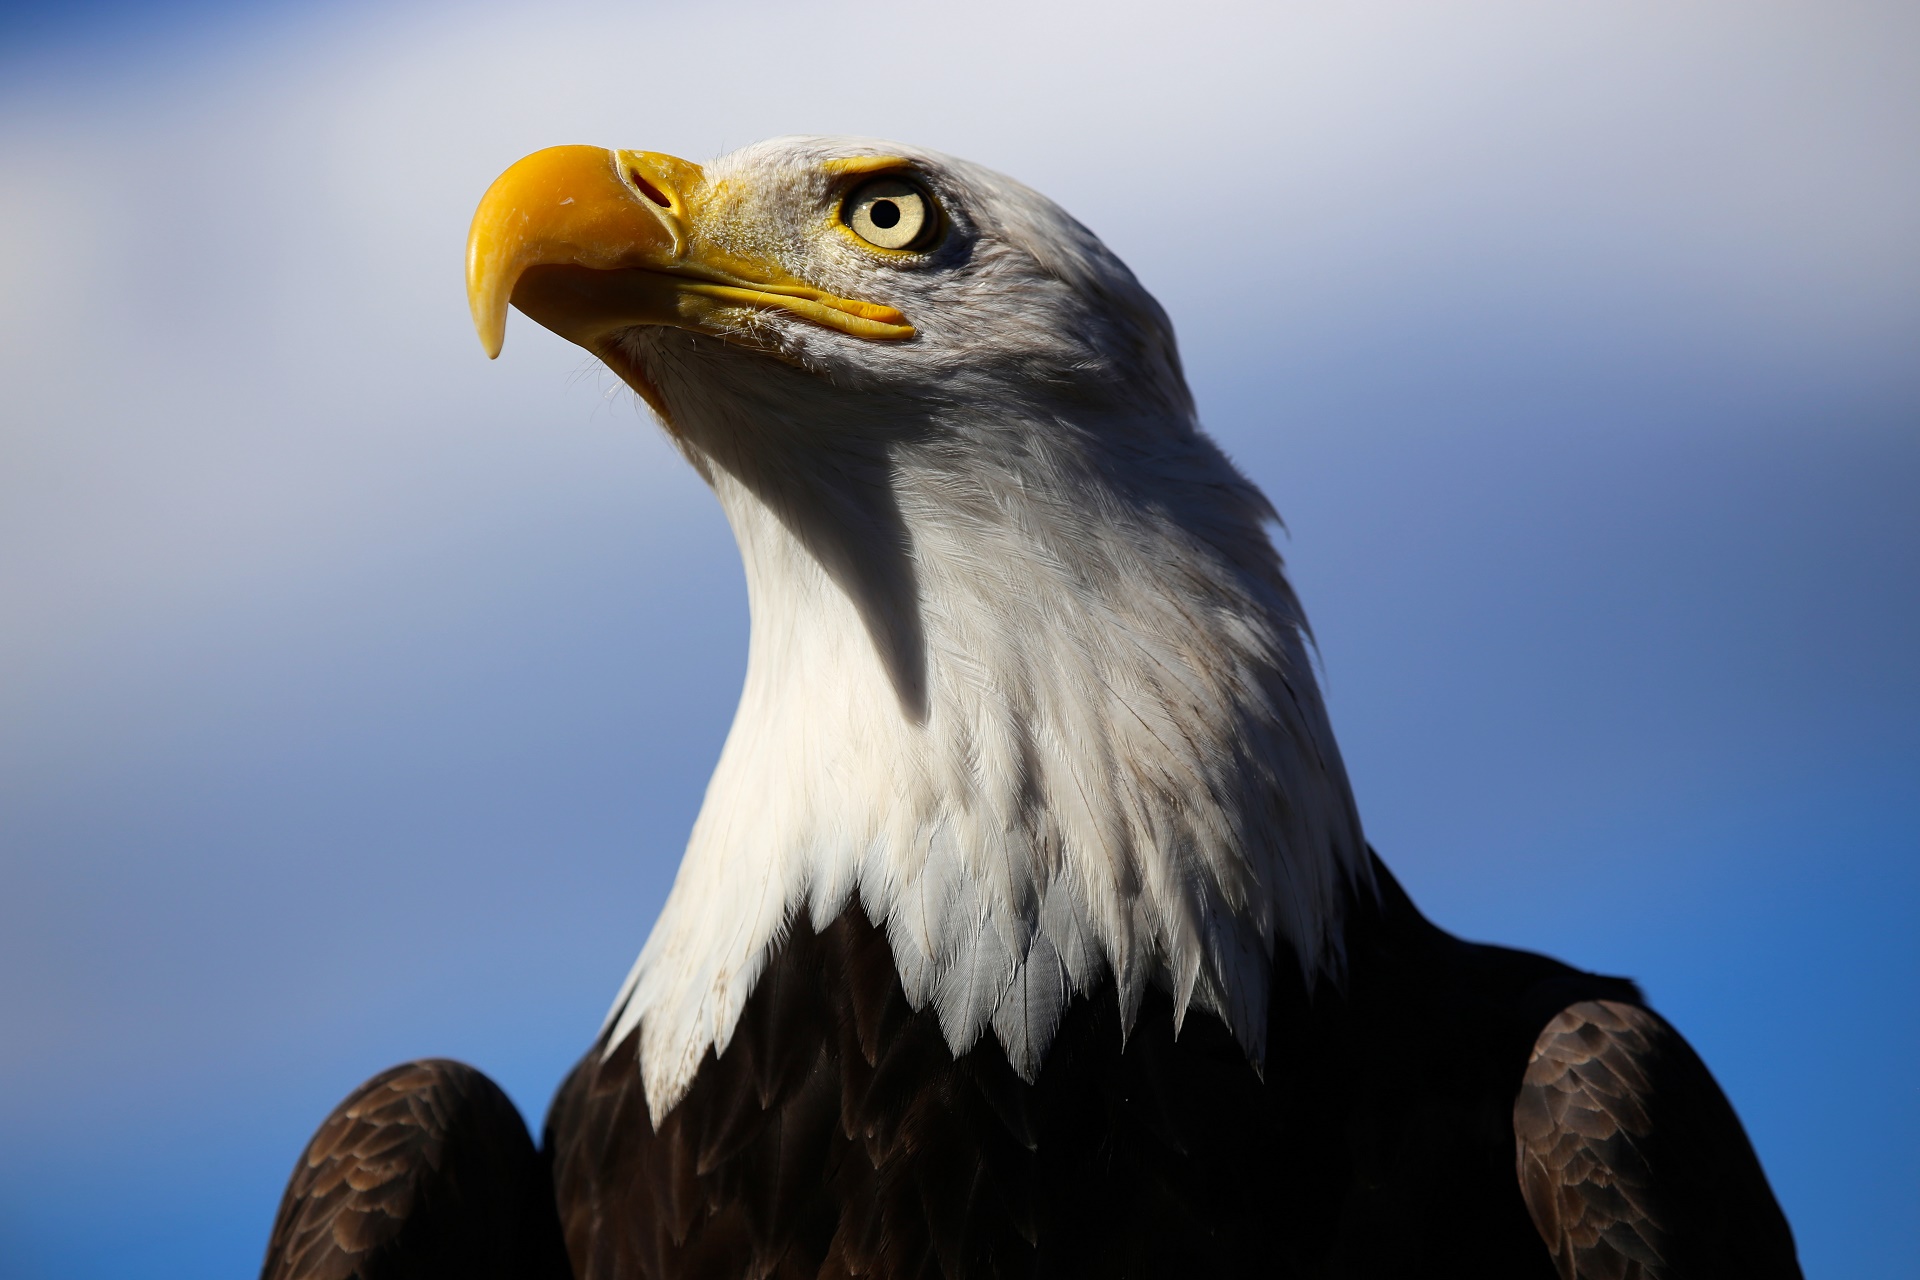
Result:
[424,1170]
[1632,1162]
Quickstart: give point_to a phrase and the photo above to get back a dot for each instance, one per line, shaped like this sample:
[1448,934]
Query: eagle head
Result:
[882,268]
[1026,678]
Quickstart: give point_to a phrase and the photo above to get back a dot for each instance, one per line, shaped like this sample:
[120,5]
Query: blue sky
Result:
[358,693]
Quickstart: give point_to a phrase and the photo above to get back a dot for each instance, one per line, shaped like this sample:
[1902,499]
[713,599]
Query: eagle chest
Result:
[838,1135]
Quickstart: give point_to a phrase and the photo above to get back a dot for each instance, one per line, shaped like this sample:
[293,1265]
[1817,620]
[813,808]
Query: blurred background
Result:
[356,695]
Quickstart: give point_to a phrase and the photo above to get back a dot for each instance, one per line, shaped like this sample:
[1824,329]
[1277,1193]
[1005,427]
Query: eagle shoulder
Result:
[426,1169]
[1631,1160]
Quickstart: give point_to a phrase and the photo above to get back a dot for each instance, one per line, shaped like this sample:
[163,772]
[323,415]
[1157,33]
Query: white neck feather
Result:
[1067,737]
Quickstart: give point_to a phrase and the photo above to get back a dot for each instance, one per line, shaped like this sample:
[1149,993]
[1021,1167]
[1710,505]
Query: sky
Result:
[356,694]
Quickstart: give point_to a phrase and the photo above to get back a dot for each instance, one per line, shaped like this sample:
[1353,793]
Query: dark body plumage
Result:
[1421,1120]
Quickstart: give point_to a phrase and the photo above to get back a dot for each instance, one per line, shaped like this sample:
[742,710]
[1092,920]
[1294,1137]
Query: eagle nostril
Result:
[648,190]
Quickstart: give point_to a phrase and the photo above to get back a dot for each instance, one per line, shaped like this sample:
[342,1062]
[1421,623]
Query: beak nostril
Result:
[648,190]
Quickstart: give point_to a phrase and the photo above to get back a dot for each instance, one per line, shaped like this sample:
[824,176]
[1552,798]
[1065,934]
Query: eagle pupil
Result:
[885,214]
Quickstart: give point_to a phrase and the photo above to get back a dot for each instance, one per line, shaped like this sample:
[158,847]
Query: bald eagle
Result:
[1028,928]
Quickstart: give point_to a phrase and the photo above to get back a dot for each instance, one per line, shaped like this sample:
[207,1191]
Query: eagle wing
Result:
[1632,1161]
[426,1169]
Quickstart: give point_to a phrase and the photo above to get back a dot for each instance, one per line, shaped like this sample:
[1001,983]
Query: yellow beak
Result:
[589,242]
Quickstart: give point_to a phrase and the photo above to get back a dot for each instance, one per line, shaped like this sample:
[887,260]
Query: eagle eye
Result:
[889,213]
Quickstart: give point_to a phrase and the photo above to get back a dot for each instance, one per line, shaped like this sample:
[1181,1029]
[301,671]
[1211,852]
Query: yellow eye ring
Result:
[890,213]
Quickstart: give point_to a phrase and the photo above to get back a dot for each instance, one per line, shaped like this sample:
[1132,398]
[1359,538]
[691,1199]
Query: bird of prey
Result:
[1028,928]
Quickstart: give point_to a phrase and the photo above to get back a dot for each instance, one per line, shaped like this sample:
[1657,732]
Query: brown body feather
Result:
[837,1136]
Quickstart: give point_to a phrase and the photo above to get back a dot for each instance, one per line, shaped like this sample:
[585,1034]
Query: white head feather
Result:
[1026,679]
